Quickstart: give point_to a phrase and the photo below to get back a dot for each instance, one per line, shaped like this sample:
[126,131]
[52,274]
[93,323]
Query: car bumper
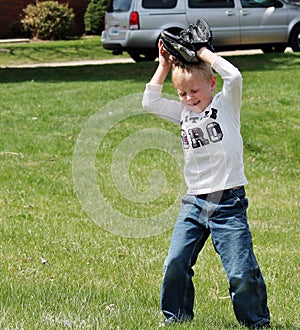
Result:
[132,40]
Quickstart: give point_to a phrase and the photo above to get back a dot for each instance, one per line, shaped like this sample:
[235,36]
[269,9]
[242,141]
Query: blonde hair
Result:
[202,69]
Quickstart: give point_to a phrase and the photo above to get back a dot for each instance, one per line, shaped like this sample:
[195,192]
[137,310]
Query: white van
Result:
[134,26]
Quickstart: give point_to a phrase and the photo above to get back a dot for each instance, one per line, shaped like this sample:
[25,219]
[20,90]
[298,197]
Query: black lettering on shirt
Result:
[185,141]
[197,137]
[214,132]
[213,113]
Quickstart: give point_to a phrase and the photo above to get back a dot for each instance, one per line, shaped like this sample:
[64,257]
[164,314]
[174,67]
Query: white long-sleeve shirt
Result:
[211,140]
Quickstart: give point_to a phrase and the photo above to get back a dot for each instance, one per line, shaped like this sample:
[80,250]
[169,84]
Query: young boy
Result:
[215,203]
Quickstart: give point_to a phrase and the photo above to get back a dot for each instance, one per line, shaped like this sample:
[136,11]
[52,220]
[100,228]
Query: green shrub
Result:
[94,16]
[49,20]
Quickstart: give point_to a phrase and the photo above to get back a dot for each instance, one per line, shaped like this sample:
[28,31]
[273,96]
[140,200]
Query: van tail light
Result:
[134,23]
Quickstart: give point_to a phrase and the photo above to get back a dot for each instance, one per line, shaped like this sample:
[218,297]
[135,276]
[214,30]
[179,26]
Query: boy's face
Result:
[194,92]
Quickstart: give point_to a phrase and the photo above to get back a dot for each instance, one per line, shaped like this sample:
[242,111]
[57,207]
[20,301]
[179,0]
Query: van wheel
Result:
[137,57]
[295,39]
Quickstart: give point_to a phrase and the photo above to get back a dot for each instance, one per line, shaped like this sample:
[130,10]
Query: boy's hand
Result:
[164,57]
[165,64]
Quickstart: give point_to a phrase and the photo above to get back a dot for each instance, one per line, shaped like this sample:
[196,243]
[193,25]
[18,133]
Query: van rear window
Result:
[158,4]
[118,5]
[211,4]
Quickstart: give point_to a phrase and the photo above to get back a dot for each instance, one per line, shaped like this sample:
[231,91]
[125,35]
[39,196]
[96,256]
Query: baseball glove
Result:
[185,45]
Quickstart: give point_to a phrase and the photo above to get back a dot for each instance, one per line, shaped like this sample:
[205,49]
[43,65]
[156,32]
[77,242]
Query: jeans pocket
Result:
[243,202]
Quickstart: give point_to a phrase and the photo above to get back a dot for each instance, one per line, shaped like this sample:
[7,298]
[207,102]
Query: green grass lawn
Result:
[61,270]
[88,48]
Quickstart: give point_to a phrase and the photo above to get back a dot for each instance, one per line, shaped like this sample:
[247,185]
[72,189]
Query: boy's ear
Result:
[213,83]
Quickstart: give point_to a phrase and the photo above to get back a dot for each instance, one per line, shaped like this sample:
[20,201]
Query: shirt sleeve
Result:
[162,107]
[231,93]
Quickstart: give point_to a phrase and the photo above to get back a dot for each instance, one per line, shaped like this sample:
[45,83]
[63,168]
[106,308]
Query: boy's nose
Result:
[189,97]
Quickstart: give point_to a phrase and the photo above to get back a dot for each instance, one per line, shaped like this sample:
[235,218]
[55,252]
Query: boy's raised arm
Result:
[164,66]
[207,55]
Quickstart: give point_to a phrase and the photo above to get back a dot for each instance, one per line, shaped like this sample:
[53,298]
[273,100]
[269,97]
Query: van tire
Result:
[138,57]
[294,39]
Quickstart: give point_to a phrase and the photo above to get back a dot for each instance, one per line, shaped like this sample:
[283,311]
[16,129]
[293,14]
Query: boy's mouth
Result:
[194,104]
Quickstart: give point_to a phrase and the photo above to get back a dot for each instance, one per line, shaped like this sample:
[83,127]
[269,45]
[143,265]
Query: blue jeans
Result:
[223,215]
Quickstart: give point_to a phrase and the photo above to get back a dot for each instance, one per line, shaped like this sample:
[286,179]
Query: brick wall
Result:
[11,11]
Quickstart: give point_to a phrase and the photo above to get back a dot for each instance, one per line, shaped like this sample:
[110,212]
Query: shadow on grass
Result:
[137,71]
[106,72]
